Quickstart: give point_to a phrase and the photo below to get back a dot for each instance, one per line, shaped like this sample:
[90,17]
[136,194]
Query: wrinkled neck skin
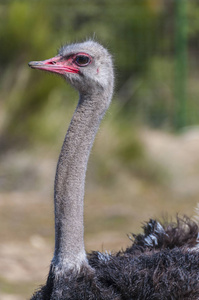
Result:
[70,180]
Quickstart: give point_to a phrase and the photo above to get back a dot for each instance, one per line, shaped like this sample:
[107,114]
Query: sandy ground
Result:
[26,209]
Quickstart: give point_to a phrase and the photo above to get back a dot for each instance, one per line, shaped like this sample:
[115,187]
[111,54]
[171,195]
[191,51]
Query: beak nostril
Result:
[51,63]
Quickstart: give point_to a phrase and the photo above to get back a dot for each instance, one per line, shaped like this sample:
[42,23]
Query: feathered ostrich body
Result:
[162,263]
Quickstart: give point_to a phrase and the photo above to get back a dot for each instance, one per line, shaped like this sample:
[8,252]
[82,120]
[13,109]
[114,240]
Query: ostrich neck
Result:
[70,181]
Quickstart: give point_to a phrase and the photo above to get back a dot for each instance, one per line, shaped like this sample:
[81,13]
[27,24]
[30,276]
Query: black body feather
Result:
[161,264]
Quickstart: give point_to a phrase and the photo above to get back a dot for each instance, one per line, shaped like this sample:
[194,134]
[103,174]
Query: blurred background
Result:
[145,161]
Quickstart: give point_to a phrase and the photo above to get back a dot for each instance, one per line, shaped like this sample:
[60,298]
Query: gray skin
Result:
[94,82]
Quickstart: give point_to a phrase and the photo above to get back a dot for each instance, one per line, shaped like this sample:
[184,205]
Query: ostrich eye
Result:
[82,60]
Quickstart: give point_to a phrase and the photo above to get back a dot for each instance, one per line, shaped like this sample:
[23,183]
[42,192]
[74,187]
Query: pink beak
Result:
[55,65]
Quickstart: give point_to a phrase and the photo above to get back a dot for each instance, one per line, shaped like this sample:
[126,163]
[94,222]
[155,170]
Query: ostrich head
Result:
[87,66]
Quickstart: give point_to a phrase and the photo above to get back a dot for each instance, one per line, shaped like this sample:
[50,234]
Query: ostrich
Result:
[162,262]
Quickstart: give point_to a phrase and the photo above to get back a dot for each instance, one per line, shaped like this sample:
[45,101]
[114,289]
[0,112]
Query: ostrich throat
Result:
[70,183]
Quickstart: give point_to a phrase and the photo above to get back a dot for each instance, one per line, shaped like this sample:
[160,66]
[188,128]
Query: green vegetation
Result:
[140,34]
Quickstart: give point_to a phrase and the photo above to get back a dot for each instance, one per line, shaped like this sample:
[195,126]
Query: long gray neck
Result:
[70,181]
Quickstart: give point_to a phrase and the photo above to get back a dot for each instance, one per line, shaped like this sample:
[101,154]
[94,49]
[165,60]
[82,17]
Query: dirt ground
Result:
[26,206]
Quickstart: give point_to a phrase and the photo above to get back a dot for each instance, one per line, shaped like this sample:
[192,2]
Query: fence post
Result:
[180,107]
